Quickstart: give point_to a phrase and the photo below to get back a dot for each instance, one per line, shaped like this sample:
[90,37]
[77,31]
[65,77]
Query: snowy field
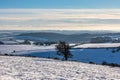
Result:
[32,48]
[21,49]
[23,68]
[98,45]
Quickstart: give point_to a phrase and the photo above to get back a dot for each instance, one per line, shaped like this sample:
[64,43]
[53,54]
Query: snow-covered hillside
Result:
[23,68]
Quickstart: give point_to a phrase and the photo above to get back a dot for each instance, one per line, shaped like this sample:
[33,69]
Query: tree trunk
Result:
[66,58]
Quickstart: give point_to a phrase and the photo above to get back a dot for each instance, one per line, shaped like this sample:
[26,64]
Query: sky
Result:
[60,15]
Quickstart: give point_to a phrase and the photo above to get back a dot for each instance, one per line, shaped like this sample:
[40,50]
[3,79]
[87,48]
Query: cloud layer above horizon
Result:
[59,19]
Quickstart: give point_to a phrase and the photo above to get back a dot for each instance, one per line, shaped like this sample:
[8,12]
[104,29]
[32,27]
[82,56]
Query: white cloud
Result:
[65,19]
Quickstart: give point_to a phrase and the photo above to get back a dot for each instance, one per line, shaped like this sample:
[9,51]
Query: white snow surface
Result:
[98,45]
[21,49]
[24,68]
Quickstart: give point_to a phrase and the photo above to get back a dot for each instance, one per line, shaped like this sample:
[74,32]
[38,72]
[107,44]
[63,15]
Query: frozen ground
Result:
[23,68]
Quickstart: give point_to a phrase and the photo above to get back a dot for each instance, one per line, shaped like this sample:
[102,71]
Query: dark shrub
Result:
[1,43]
[113,51]
[56,58]
[91,62]
[110,64]
[26,42]
[104,63]
[6,54]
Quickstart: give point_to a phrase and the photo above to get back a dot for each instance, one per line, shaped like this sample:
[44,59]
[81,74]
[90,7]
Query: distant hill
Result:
[49,36]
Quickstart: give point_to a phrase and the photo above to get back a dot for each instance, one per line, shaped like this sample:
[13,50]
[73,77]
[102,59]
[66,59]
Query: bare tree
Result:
[63,49]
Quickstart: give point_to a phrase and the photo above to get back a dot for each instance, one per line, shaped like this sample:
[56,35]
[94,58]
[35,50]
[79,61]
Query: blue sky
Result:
[59,3]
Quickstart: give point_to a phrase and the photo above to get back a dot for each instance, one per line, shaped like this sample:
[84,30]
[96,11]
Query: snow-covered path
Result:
[24,68]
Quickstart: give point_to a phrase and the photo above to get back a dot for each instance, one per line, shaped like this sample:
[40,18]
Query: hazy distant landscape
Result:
[72,38]
[68,36]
